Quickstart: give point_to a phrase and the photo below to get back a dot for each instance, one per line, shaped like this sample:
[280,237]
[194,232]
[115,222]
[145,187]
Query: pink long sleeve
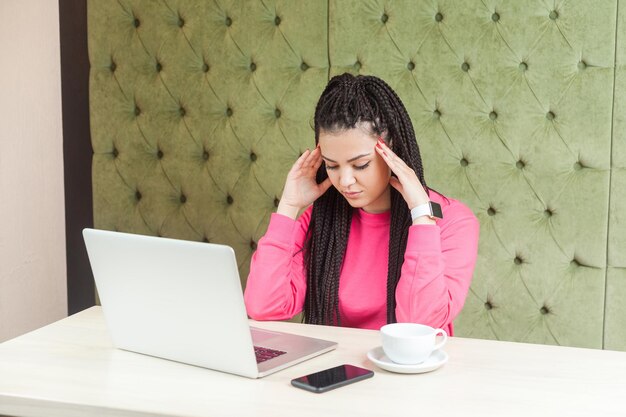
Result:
[277,282]
[437,270]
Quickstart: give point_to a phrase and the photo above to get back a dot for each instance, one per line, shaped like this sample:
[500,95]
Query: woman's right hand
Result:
[301,188]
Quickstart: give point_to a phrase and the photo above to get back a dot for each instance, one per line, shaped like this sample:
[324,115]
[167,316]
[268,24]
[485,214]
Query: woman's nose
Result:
[346,179]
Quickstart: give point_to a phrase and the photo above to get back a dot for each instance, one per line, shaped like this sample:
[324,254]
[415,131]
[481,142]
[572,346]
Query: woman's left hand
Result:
[406,182]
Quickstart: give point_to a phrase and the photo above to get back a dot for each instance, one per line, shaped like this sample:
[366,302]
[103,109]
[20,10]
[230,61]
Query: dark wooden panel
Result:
[77,150]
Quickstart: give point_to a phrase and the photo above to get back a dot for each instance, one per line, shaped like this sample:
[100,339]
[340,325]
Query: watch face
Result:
[436,208]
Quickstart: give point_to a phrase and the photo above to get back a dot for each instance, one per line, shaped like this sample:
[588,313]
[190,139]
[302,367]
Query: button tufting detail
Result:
[464,162]
[357,65]
[137,111]
[159,154]
[436,114]
[229,112]
[582,65]
[488,305]
[276,201]
[252,244]
[523,66]
[252,67]
[252,156]
[205,155]
[491,211]
[544,310]
[465,67]
[277,113]
[136,23]
[182,112]
[384,18]
[181,22]
[438,17]
[554,15]
[550,115]
[205,67]
[229,199]
[158,66]
[277,20]
[495,17]
[115,152]
[183,198]
[228,21]
[410,66]
[304,66]
[137,195]
[518,260]
[578,166]
[493,115]
[548,212]
[520,164]
[113,66]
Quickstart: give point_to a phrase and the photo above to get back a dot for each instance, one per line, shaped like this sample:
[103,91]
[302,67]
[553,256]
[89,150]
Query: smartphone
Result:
[332,378]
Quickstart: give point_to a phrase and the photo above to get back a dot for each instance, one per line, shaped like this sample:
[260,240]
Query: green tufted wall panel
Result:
[615,324]
[199,108]
[511,103]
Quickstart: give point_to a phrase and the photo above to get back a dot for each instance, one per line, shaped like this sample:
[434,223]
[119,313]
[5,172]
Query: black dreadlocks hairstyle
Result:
[347,102]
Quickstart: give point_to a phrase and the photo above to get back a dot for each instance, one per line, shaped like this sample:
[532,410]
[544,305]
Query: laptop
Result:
[182,301]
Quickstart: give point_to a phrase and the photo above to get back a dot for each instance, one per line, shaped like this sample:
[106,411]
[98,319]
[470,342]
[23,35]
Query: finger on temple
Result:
[299,162]
[383,154]
[311,157]
[318,159]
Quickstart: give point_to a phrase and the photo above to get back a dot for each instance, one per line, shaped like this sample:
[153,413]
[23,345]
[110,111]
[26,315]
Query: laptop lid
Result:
[183,301]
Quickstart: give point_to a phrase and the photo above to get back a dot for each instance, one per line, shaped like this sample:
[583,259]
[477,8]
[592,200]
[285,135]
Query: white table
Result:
[69,368]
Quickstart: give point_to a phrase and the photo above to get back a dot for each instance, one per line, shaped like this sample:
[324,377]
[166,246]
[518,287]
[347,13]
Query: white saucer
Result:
[434,361]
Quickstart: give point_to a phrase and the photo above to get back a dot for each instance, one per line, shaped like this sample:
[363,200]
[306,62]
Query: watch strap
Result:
[430,209]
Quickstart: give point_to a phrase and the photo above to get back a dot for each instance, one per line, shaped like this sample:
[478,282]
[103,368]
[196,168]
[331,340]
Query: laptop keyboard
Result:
[264,354]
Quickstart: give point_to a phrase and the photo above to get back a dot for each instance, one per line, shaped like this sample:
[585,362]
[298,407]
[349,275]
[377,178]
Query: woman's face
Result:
[356,170]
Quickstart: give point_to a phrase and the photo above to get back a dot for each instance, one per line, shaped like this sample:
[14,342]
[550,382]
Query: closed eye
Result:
[359,167]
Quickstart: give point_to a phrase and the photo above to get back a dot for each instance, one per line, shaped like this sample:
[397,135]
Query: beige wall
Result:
[32,223]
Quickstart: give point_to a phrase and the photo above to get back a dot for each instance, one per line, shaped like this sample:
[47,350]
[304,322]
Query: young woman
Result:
[375,245]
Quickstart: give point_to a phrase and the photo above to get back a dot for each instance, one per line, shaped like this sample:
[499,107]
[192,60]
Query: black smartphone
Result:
[332,378]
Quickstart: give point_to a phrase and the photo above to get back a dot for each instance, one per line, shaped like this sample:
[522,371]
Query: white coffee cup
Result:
[410,343]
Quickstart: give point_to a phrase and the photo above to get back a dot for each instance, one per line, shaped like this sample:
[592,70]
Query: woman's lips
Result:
[352,194]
